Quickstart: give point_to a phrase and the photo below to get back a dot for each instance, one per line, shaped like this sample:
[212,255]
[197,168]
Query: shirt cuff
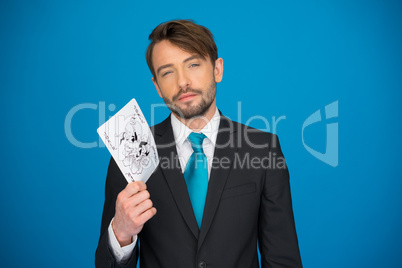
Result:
[121,254]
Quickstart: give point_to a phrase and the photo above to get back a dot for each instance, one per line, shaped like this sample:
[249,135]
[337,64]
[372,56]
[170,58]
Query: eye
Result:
[166,73]
[194,65]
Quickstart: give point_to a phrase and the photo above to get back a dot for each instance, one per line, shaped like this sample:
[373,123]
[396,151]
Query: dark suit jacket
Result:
[248,200]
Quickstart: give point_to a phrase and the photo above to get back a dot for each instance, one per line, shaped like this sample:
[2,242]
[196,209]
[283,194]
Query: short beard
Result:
[193,111]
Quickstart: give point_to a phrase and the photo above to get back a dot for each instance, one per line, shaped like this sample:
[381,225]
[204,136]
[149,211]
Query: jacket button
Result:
[202,264]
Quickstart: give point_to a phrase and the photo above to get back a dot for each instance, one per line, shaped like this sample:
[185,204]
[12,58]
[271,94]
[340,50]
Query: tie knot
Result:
[196,140]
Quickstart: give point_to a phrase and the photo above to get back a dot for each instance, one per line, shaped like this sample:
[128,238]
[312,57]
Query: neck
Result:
[199,122]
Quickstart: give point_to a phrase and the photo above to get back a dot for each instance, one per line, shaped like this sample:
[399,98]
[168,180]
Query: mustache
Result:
[187,90]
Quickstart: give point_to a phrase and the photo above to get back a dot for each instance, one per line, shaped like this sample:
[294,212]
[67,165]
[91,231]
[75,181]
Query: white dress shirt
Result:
[184,151]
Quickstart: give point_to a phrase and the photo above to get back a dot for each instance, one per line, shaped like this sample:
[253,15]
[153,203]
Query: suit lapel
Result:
[225,149]
[170,167]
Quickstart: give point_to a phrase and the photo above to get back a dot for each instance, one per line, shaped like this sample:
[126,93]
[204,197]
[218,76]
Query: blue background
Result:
[282,58]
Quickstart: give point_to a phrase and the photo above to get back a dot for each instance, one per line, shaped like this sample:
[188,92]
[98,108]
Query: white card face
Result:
[131,143]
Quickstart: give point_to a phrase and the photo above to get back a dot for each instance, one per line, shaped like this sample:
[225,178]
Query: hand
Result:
[133,210]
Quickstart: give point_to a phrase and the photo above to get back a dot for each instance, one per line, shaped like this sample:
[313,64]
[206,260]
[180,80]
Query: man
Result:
[220,187]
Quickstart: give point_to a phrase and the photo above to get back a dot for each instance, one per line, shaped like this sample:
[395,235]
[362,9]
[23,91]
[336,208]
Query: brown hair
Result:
[185,34]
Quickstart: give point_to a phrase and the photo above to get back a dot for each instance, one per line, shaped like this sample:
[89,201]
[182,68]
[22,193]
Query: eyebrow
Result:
[170,65]
[192,58]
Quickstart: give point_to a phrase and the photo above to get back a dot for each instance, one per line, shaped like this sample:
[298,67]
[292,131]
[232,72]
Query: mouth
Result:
[187,96]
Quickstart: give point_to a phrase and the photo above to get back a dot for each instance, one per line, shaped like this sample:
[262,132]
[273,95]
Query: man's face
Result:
[185,81]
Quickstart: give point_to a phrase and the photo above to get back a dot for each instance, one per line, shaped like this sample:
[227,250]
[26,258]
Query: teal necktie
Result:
[196,176]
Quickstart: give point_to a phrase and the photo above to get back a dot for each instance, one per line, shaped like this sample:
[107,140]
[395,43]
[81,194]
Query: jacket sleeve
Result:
[276,231]
[115,183]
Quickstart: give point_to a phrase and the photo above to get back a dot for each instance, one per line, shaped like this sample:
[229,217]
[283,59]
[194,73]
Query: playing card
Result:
[129,140]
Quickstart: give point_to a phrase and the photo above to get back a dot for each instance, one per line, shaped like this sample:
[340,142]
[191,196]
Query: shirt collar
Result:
[181,131]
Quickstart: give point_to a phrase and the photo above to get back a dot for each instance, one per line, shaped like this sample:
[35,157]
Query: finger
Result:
[143,206]
[129,205]
[146,216]
[133,188]
[137,198]
[135,213]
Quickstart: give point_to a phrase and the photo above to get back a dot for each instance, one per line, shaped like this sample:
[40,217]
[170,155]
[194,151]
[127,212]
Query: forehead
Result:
[165,52]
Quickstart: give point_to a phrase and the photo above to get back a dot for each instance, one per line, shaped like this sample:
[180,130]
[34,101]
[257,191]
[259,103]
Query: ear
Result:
[157,87]
[218,71]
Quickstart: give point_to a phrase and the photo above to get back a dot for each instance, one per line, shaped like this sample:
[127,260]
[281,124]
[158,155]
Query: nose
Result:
[183,80]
